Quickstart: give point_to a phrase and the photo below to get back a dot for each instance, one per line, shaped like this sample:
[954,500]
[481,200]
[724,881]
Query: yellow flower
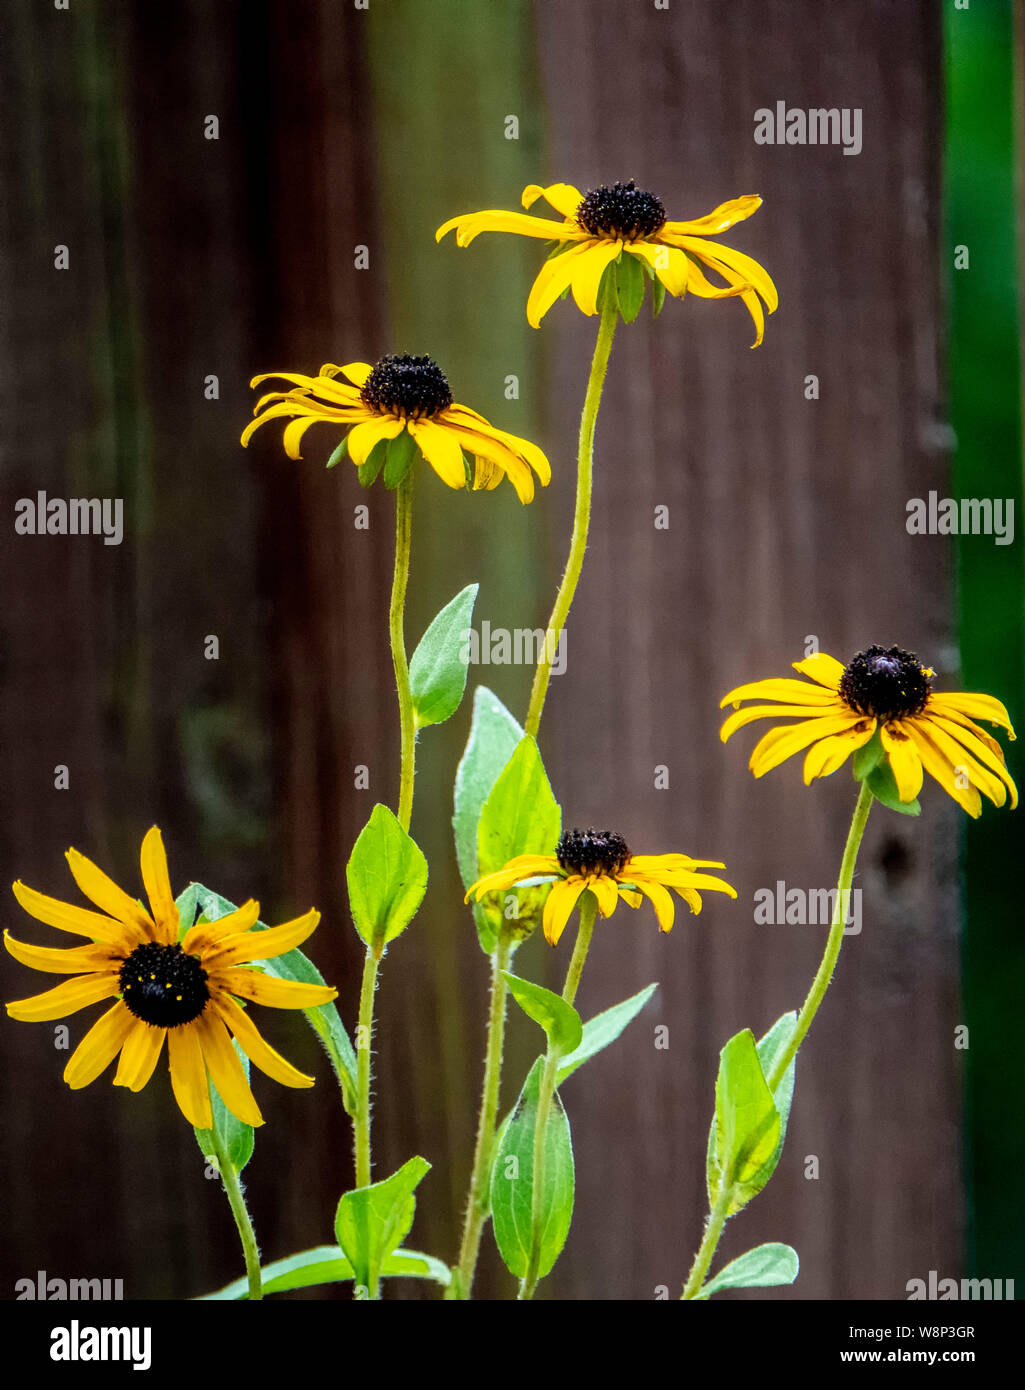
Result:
[599,860]
[185,991]
[403,404]
[888,689]
[613,219]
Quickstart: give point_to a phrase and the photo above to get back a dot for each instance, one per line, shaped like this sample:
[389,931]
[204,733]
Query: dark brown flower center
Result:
[163,986]
[413,386]
[592,851]
[886,682]
[620,209]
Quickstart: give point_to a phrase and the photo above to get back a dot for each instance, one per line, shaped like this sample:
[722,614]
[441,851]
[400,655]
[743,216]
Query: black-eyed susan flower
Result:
[839,708]
[615,220]
[394,410]
[186,991]
[599,860]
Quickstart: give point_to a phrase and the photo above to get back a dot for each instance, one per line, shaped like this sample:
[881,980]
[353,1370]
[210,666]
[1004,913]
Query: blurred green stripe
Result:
[982,213]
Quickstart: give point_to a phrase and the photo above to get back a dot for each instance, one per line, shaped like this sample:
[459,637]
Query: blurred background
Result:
[191,258]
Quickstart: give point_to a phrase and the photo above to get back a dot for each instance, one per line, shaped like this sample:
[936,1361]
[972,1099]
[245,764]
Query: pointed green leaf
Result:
[399,456]
[325,1264]
[374,462]
[387,878]
[760,1268]
[868,756]
[769,1048]
[747,1125]
[437,672]
[324,1019]
[658,297]
[512,1181]
[560,1020]
[629,286]
[187,904]
[373,1221]
[603,1029]
[342,452]
[520,816]
[883,786]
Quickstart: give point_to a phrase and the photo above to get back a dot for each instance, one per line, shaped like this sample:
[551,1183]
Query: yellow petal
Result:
[99,1047]
[823,758]
[747,268]
[441,448]
[356,372]
[188,1075]
[558,906]
[277,994]
[362,438]
[670,265]
[779,744]
[139,1056]
[661,901]
[784,689]
[904,761]
[553,277]
[78,920]
[981,746]
[261,945]
[293,435]
[588,272]
[105,893]
[977,706]
[469,419]
[205,935]
[469,225]
[65,961]
[963,757]
[940,768]
[724,216]
[226,1071]
[741,717]
[158,887]
[65,999]
[563,197]
[259,1052]
[606,891]
[498,455]
[826,670]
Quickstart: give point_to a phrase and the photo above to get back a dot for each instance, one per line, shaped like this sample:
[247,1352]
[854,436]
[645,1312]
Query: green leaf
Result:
[512,1181]
[603,1029]
[400,453]
[373,1221]
[324,1019]
[608,294]
[658,297]
[325,1264]
[437,672]
[494,734]
[629,286]
[747,1126]
[520,816]
[230,1136]
[342,452]
[868,756]
[374,462]
[387,878]
[883,786]
[187,903]
[760,1268]
[769,1048]
[560,1020]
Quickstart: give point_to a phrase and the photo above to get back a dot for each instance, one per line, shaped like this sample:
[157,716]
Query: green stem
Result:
[546,1091]
[581,516]
[407,723]
[810,1007]
[364,1032]
[478,1203]
[239,1210]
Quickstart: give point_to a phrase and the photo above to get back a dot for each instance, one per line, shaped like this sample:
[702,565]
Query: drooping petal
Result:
[980,745]
[588,272]
[225,1069]
[522,866]
[721,258]
[670,265]
[553,277]
[442,450]
[606,892]
[265,989]
[558,906]
[462,415]
[779,744]
[65,999]
[823,758]
[356,372]
[977,706]
[259,1052]
[741,717]
[785,689]
[139,1056]
[188,1075]
[99,1047]
[81,921]
[158,887]
[105,893]
[293,435]
[963,760]
[661,900]
[362,438]
[261,945]
[501,457]
[941,769]
[720,219]
[469,225]
[563,197]
[74,960]
[826,670]
[903,758]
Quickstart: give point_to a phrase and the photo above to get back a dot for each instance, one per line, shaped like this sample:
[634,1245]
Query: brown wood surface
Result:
[191,257]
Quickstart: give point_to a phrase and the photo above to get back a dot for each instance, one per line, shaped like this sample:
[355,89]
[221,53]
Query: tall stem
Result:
[407,726]
[478,1201]
[546,1091]
[239,1210]
[581,516]
[364,1033]
[810,1007]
